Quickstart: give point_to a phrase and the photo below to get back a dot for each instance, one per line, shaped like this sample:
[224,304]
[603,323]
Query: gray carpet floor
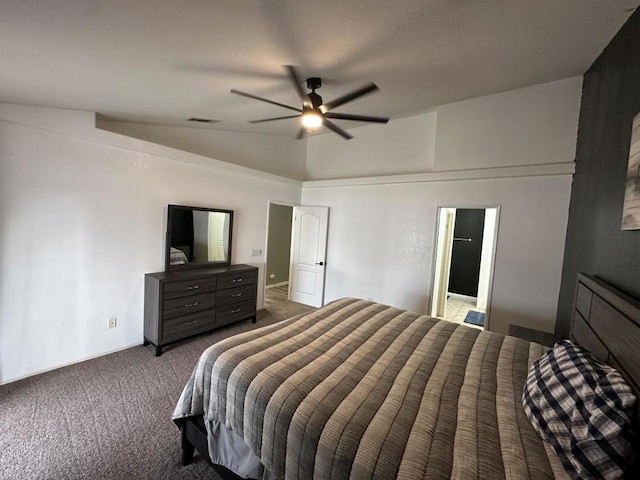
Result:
[110,417]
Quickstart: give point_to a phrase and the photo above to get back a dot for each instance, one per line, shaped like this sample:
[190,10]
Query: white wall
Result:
[528,126]
[82,219]
[514,149]
[404,145]
[275,154]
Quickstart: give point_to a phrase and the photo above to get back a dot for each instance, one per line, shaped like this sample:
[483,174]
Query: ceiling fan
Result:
[314,113]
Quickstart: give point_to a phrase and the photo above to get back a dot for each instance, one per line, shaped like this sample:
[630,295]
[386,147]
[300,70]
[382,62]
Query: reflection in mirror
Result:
[210,237]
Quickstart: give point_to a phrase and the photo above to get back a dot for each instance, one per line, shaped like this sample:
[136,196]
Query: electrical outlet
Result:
[256,252]
[112,322]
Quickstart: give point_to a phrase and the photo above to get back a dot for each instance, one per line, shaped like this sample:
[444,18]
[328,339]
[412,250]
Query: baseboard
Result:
[273,285]
[67,364]
[462,297]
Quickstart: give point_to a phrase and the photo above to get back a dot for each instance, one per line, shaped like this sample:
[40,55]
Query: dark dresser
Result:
[181,304]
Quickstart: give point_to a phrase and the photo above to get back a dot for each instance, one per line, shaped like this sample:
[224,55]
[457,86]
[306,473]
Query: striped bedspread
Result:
[177,257]
[361,390]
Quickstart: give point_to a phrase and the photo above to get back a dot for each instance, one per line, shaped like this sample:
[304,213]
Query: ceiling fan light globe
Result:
[311,119]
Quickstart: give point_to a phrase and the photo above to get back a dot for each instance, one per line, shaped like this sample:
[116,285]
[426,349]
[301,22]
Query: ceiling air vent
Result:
[202,120]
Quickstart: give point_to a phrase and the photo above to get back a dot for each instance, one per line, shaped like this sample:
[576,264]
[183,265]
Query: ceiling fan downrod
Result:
[314,83]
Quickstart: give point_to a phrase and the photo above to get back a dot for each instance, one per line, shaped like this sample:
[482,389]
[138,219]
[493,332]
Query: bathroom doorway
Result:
[463,272]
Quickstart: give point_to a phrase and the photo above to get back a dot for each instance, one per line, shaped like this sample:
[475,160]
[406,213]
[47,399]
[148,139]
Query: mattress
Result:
[358,389]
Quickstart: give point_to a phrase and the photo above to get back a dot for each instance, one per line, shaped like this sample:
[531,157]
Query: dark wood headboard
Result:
[607,322]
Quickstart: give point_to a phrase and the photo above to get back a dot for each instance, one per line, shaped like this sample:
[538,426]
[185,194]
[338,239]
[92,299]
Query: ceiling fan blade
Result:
[248,95]
[294,76]
[301,133]
[355,118]
[272,119]
[365,89]
[337,129]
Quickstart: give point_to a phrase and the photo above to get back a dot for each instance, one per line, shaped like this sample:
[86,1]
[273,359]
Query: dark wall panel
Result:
[595,243]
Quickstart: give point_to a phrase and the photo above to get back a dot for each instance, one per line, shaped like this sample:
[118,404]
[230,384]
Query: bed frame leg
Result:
[187,448]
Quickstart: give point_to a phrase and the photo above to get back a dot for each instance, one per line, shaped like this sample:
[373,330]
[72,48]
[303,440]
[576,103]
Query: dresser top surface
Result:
[200,272]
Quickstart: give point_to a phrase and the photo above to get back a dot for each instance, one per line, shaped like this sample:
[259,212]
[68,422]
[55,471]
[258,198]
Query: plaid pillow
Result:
[582,408]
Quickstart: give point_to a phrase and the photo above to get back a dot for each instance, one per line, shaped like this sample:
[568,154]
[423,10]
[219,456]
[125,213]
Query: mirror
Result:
[198,236]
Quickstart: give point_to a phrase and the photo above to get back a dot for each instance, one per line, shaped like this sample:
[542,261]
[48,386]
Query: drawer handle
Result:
[191,323]
[237,310]
[192,287]
[236,280]
[191,304]
[237,294]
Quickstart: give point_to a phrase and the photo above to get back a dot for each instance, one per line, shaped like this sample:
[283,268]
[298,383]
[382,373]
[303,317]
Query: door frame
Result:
[442,263]
[434,258]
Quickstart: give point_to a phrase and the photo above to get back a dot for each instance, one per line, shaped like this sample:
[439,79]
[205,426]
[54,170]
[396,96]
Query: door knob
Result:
[320,263]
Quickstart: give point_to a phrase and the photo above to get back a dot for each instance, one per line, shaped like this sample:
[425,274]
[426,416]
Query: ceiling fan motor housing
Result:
[314,98]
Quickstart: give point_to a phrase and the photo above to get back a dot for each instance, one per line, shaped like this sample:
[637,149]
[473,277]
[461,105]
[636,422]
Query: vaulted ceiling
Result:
[164,61]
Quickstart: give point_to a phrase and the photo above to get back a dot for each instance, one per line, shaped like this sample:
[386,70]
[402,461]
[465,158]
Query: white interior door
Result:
[308,251]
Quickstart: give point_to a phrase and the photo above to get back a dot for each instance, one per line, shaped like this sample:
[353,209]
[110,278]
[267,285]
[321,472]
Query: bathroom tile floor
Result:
[457,308]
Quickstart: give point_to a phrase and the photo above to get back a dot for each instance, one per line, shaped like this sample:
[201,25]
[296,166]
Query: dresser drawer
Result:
[187,325]
[189,287]
[235,295]
[231,313]
[232,280]
[186,305]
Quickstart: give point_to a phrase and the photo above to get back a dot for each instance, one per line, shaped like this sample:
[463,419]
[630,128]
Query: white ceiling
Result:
[165,61]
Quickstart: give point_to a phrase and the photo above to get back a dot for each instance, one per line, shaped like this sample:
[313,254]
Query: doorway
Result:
[278,253]
[463,268]
[295,254]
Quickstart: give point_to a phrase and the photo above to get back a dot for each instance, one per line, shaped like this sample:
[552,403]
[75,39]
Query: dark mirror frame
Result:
[190,265]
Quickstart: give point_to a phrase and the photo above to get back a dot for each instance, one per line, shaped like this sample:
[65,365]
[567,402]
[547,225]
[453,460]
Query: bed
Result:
[357,389]
[177,257]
